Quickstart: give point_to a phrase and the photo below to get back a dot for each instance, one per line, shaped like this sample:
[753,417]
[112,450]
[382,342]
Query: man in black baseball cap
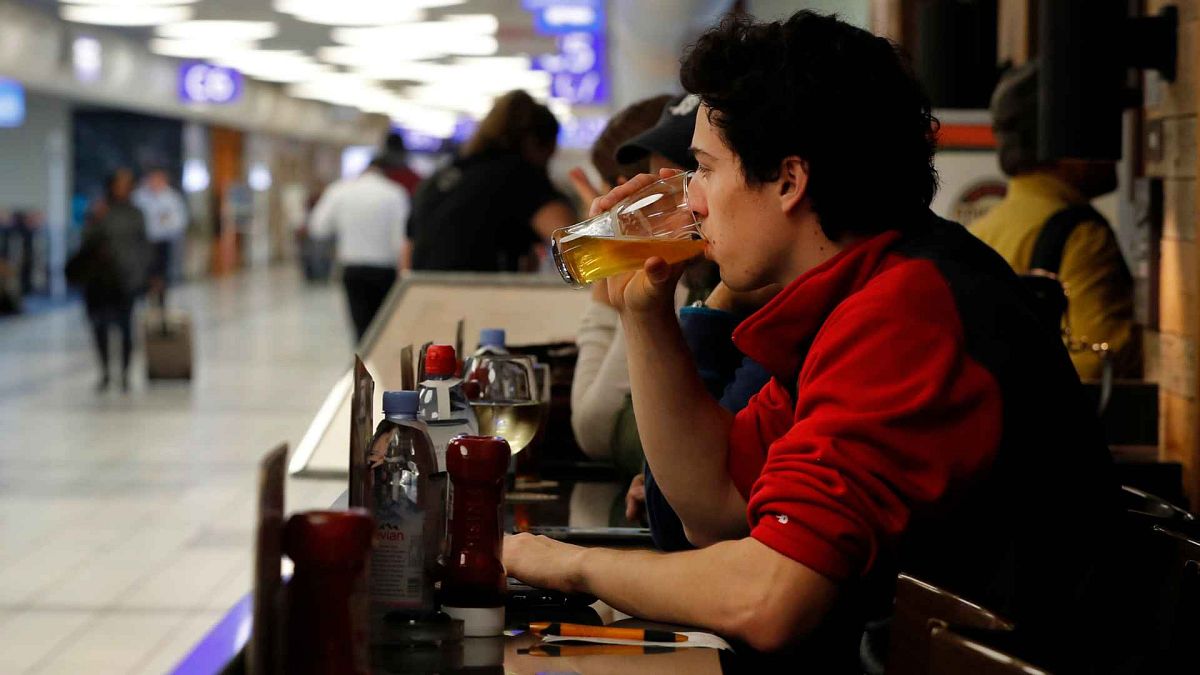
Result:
[667,143]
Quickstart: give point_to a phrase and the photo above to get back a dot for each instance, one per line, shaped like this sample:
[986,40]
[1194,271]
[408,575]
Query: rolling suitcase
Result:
[168,339]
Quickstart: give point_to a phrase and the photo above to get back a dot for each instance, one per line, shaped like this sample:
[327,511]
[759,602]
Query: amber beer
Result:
[593,258]
[657,221]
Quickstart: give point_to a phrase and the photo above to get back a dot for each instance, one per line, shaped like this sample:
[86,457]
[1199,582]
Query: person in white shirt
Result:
[166,224]
[367,214]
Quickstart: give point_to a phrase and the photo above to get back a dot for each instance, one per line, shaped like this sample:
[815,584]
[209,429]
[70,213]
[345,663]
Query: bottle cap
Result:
[477,458]
[400,403]
[491,337]
[478,621]
[329,540]
[440,360]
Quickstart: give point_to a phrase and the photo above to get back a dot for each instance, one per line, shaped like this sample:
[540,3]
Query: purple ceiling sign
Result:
[201,82]
[579,69]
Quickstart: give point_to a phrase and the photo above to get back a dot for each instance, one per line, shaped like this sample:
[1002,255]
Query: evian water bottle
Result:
[405,493]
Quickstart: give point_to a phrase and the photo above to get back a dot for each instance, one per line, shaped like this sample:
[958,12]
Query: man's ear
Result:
[793,182]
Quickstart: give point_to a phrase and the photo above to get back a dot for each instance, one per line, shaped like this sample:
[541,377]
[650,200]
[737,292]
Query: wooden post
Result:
[1016,26]
[887,19]
[1170,152]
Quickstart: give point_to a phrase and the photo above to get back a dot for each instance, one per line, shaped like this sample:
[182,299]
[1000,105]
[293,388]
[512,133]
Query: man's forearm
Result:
[683,429]
[764,598]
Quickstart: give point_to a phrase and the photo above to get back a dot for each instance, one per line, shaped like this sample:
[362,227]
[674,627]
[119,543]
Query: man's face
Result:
[157,181]
[122,186]
[748,234]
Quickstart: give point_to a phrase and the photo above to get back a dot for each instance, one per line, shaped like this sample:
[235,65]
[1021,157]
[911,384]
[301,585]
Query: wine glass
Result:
[506,396]
[527,461]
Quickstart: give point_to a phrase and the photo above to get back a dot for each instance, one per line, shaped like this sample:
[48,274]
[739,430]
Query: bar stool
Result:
[1177,610]
[1151,597]
[952,653]
[919,606]
[1156,510]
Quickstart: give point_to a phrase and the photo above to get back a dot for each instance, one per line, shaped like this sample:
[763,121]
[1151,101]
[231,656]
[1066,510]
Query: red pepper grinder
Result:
[327,629]
[475,581]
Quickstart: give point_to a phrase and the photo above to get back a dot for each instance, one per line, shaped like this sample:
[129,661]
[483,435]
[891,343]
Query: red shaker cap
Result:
[441,360]
[478,457]
[329,539]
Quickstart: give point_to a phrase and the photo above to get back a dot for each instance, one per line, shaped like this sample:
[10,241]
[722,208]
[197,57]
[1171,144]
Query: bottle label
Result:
[436,400]
[398,561]
[442,434]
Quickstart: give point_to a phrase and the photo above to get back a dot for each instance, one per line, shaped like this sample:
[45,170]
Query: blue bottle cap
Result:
[491,337]
[400,403]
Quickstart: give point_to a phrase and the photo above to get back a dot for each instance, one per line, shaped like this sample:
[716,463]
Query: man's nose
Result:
[697,200]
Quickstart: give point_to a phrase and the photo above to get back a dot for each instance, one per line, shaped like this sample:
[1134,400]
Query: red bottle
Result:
[327,630]
[474,583]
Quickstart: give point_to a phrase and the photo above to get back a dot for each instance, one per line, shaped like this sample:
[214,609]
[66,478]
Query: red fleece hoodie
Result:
[889,414]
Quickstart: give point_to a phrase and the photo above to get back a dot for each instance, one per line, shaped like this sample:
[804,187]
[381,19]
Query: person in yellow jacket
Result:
[1092,270]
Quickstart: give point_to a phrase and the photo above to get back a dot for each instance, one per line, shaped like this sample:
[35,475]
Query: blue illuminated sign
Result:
[579,69]
[416,141]
[581,132]
[12,103]
[464,129]
[205,83]
[555,17]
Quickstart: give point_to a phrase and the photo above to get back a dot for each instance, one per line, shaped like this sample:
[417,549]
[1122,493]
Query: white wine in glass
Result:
[517,422]
[506,398]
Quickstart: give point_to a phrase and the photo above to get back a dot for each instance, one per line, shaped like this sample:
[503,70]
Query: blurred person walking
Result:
[111,266]
[27,225]
[395,164]
[366,214]
[10,296]
[166,224]
[487,210]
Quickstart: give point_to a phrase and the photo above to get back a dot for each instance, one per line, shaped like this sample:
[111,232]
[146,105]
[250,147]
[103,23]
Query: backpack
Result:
[1050,298]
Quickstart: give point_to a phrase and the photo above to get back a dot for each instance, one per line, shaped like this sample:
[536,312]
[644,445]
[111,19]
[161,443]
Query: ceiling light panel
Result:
[195,49]
[274,65]
[129,3]
[363,57]
[342,89]
[125,14]
[475,23]
[477,76]
[350,12]
[450,98]
[423,118]
[226,31]
[465,34]
[410,42]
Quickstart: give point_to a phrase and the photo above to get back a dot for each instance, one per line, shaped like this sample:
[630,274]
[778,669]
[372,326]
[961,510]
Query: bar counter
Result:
[566,503]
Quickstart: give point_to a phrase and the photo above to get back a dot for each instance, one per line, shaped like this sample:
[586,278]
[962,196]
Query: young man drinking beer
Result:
[918,419]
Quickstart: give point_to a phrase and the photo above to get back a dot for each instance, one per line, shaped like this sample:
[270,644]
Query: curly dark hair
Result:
[838,97]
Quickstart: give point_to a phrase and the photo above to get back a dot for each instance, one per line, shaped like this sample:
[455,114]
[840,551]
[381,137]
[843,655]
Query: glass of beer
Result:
[656,221]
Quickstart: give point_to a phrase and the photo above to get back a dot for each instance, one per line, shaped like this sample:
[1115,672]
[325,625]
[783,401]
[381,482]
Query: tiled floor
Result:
[126,520]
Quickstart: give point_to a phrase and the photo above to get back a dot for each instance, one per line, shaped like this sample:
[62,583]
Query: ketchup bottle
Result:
[327,627]
[474,583]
